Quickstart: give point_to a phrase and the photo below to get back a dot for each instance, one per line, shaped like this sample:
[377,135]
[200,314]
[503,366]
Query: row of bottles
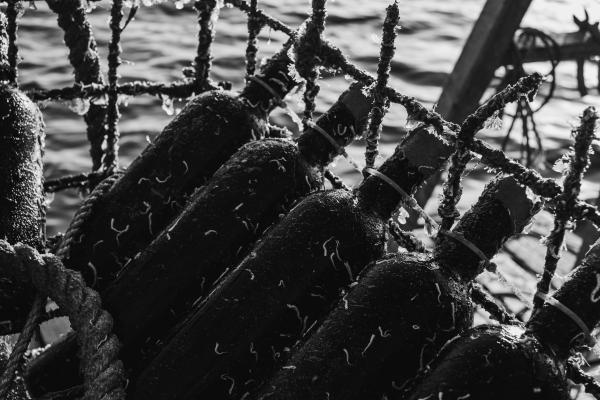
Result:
[286,284]
[528,361]
[231,274]
[156,186]
[213,233]
[403,309]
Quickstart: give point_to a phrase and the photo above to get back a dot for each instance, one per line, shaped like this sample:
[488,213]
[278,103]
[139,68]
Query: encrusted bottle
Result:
[155,187]
[288,281]
[211,236]
[403,309]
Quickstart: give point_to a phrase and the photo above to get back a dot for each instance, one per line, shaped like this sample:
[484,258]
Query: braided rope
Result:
[255,25]
[381,103]
[179,89]
[13,51]
[74,181]
[103,373]
[84,58]
[452,189]
[111,160]
[579,162]
[266,19]
[206,10]
[308,60]
[16,356]
[84,211]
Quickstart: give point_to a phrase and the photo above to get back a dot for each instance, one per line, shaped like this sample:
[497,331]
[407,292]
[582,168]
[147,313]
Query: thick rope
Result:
[84,211]
[16,357]
[103,373]
[84,58]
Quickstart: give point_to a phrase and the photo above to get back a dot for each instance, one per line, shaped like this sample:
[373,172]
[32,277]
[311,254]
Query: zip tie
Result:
[489,265]
[492,267]
[406,198]
[590,341]
[341,150]
[269,89]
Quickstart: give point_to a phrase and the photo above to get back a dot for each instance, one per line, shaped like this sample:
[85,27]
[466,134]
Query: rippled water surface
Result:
[162,40]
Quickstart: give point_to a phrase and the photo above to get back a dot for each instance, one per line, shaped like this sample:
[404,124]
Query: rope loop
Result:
[103,373]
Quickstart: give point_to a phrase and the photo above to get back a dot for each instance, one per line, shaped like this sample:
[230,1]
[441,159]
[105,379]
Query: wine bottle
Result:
[21,190]
[154,188]
[403,309]
[520,362]
[287,282]
[244,197]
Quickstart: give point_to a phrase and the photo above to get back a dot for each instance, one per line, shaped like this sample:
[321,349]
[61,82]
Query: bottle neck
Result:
[268,88]
[503,209]
[421,154]
[324,140]
[580,295]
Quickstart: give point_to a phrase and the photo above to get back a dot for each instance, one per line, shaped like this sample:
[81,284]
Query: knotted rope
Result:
[103,373]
